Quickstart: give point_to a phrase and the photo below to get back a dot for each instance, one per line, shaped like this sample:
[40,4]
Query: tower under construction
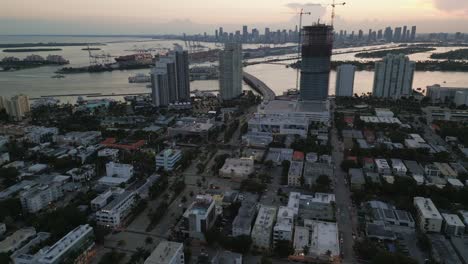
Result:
[317,44]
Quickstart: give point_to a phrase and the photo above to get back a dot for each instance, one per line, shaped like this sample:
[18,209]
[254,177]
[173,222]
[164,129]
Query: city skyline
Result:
[156,17]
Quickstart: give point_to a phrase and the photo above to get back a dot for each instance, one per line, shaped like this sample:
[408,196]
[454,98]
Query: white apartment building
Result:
[295,173]
[382,166]
[80,138]
[284,227]
[80,238]
[167,252]
[453,225]
[429,217]
[39,197]
[262,232]
[237,169]
[320,206]
[119,170]
[113,214]
[199,217]
[168,158]
[230,71]
[113,154]
[101,200]
[345,80]
[394,77]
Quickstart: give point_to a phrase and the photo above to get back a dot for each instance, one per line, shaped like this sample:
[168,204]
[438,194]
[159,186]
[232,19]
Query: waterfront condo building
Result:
[393,77]
[345,80]
[230,71]
[170,80]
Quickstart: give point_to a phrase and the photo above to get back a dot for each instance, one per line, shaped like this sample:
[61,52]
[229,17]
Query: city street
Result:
[346,218]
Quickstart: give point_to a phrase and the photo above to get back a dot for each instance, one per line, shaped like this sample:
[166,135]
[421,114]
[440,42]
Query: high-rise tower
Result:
[394,77]
[317,42]
[230,71]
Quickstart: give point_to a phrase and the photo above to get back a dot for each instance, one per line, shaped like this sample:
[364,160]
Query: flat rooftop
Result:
[164,253]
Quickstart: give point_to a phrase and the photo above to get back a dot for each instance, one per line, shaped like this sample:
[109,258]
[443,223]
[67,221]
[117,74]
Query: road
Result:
[345,215]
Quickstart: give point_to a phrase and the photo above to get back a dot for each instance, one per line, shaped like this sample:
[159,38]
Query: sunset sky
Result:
[197,16]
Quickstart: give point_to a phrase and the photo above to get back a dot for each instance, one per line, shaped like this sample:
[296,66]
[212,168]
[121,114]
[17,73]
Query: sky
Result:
[198,16]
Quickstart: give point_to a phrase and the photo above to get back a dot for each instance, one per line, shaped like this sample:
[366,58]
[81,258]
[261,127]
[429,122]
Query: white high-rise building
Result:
[160,84]
[394,77]
[345,80]
[230,71]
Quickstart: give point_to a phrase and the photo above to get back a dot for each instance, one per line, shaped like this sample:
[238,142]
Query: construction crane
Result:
[299,41]
[333,5]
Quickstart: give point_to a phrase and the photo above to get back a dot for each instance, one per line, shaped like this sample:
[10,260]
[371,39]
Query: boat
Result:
[139,78]
[58,76]
[139,57]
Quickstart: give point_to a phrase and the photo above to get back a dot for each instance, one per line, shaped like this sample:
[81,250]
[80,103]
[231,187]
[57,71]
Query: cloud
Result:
[452,6]
[317,11]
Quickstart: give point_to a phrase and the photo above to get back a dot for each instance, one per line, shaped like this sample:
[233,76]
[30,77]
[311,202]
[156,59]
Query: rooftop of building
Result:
[118,200]
[65,243]
[14,240]
[164,252]
[427,208]
[453,220]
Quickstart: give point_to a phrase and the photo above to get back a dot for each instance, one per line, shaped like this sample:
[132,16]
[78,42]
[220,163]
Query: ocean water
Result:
[38,82]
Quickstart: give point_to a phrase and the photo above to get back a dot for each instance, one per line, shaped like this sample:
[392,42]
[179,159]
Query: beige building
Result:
[17,106]
[237,169]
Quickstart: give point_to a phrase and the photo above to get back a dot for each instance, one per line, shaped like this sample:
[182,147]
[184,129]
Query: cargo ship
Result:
[138,58]
[139,78]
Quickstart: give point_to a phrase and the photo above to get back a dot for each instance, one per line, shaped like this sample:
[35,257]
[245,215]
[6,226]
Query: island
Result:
[460,54]
[50,44]
[30,50]
[448,66]
[88,49]
[383,53]
[31,61]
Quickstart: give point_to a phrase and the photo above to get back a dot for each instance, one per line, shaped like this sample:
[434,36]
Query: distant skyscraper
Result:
[404,37]
[345,80]
[360,34]
[230,71]
[397,35]
[379,34]
[394,77]
[317,42]
[388,34]
[413,33]
[245,34]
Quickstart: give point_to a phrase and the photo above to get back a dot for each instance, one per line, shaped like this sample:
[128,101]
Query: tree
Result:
[284,173]
[112,257]
[283,248]
[266,260]
[149,240]
[9,176]
[323,183]
[269,164]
